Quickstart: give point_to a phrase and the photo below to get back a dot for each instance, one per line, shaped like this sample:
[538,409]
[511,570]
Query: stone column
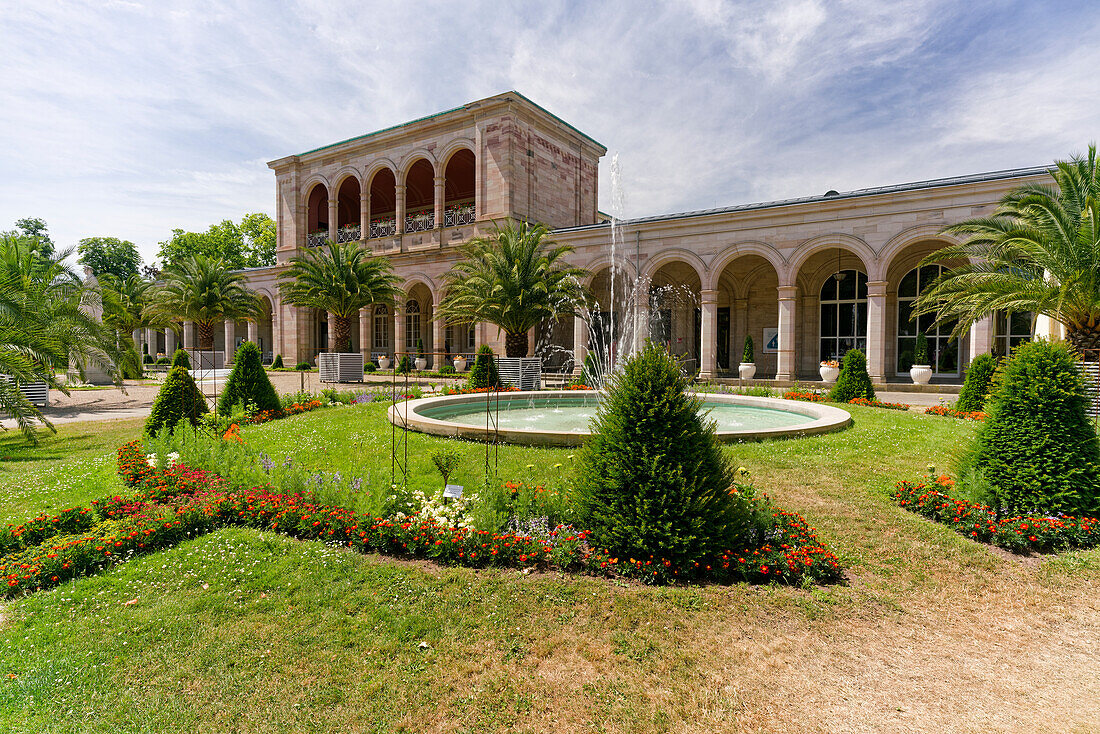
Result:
[332,345]
[253,333]
[364,215]
[169,342]
[188,335]
[708,333]
[398,334]
[150,340]
[580,344]
[439,339]
[439,201]
[399,212]
[788,295]
[876,330]
[230,340]
[739,327]
[333,209]
[366,332]
[981,338]
[641,321]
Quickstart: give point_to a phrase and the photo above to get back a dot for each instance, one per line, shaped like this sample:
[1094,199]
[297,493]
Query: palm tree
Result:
[515,278]
[124,308]
[1039,252]
[340,279]
[46,324]
[204,291]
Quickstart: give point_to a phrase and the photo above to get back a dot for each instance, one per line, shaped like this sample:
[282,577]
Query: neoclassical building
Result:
[807,278]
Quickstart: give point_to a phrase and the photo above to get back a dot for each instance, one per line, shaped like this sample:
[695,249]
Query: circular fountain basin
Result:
[562,417]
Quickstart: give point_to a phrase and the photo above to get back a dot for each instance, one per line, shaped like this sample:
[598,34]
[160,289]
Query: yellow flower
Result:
[742,470]
[530,466]
[557,466]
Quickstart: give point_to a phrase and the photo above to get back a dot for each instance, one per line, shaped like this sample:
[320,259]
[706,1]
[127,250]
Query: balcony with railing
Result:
[383,227]
[458,215]
[420,221]
[348,233]
[318,238]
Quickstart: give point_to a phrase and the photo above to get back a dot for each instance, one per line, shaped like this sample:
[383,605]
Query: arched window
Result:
[1011,330]
[382,328]
[943,352]
[843,314]
[412,324]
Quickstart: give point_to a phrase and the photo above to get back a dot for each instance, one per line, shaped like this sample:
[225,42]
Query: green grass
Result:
[71,467]
[248,631]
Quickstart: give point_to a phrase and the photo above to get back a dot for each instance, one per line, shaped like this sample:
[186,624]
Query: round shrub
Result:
[181,359]
[277,363]
[975,389]
[653,482]
[164,360]
[248,383]
[147,358]
[446,369]
[370,367]
[302,367]
[179,398]
[1038,451]
[853,382]
[484,372]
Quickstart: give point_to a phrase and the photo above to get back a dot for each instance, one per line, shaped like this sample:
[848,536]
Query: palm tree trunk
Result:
[1086,342]
[341,338]
[206,335]
[515,345]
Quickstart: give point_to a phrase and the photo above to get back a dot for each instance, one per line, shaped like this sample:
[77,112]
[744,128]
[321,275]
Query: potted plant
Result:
[921,371]
[747,368]
[460,363]
[421,362]
[829,370]
[383,362]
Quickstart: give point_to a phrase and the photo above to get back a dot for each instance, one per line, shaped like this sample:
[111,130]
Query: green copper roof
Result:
[455,109]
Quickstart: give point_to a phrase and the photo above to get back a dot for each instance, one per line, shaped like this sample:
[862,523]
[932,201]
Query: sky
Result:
[128,119]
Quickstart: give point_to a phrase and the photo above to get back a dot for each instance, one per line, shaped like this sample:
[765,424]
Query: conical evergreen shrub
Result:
[853,382]
[653,484]
[179,398]
[180,359]
[277,363]
[976,387]
[248,383]
[484,372]
[1038,450]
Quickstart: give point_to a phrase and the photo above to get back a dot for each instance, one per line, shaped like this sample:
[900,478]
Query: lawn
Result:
[248,631]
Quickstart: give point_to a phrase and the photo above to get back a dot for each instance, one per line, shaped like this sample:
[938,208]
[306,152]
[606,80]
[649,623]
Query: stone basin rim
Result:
[824,418]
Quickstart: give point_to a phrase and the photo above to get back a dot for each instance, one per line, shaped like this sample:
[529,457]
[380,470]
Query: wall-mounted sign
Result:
[771,341]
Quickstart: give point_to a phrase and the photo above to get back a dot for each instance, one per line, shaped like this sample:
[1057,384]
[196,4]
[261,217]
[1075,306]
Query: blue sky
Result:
[129,118]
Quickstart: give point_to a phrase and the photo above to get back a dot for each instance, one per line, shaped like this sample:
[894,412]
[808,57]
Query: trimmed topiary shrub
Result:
[248,383]
[147,358]
[164,360]
[180,359]
[976,387]
[277,363]
[405,365]
[484,372]
[1038,450]
[370,367]
[179,399]
[853,382]
[653,483]
[920,350]
[748,353]
[446,369]
[302,367]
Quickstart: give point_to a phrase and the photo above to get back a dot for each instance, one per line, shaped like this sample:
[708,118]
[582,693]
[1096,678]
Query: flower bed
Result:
[807,397]
[878,404]
[175,503]
[35,531]
[578,386]
[967,415]
[1020,534]
[476,390]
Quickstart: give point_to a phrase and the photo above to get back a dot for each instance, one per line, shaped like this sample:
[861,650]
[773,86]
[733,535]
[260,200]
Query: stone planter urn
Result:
[747,370]
[383,362]
[460,364]
[421,364]
[829,371]
[920,374]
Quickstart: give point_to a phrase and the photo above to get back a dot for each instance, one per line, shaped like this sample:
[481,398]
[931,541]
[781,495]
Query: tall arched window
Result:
[412,324]
[382,328]
[943,352]
[843,314]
